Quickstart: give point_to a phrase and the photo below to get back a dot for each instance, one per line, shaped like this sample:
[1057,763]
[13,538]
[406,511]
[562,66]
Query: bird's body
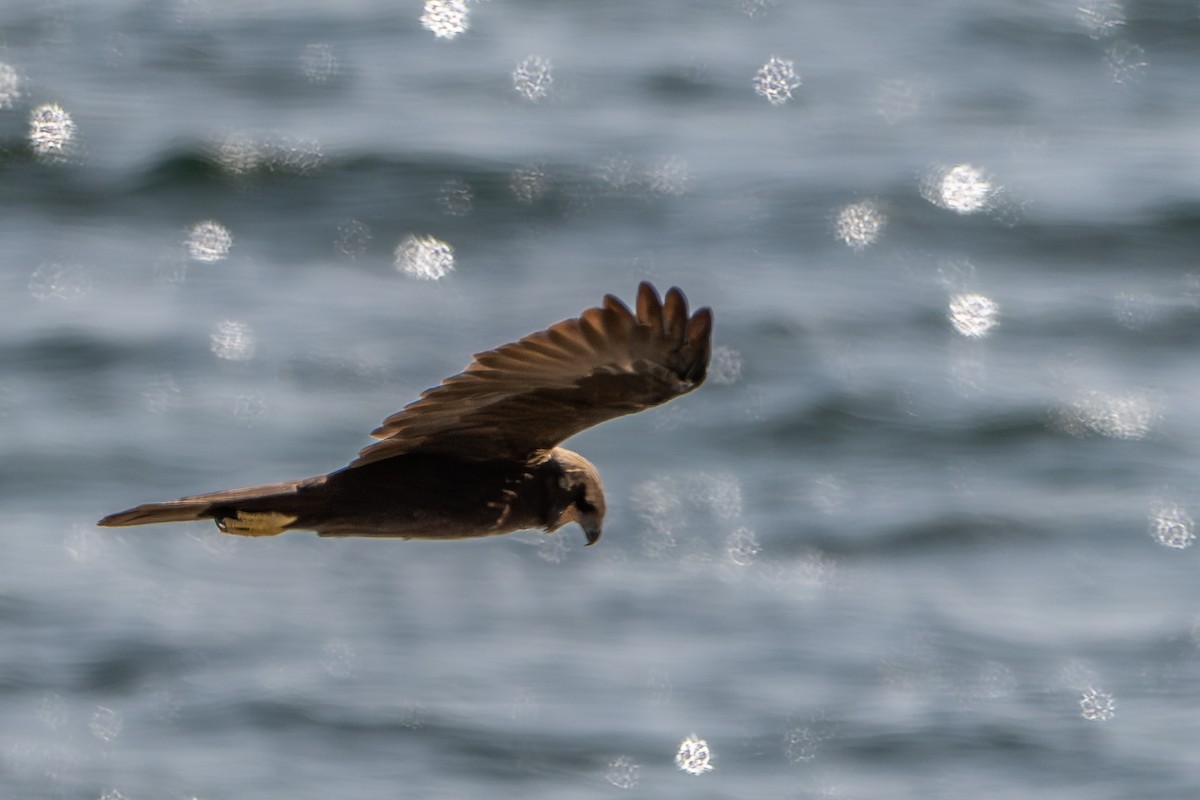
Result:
[409,496]
[478,455]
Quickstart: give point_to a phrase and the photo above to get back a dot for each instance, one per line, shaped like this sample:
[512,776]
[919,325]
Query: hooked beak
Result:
[592,532]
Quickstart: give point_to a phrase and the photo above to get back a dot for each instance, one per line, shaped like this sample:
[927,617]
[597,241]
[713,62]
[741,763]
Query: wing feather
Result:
[532,394]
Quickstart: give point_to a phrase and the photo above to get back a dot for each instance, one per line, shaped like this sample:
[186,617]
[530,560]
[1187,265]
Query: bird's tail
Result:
[266,505]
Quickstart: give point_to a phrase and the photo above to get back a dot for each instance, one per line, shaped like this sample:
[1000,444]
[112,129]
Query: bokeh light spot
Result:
[528,184]
[693,756]
[963,189]
[1136,310]
[623,772]
[162,395]
[455,198]
[248,408]
[726,366]
[239,153]
[106,724]
[776,79]
[742,547]
[10,85]
[973,315]
[1125,61]
[52,133]
[242,153]
[424,257]
[208,242]
[860,224]
[668,177]
[752,8]
[233,341]
[801,744]
[1101,18]
[533,78]
[1172,526]
[1096,705]
[51,281]
[53,711]
[353,238]
[319,63]
[446,18]
[337,657]
[1132,415]
[618,173]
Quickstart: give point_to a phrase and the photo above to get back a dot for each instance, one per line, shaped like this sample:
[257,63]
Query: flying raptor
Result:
[479,455]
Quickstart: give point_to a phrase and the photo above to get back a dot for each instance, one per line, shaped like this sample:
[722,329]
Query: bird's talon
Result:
[254,523]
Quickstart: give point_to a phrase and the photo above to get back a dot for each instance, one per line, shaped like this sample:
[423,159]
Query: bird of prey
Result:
[479,455]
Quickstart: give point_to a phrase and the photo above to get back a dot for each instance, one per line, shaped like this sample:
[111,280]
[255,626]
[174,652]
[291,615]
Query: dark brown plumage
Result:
[478,455]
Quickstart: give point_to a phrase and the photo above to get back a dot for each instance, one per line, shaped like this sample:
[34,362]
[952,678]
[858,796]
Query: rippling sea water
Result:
[927,531]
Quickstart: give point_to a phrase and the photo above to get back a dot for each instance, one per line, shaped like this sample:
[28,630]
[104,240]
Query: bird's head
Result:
[581,496]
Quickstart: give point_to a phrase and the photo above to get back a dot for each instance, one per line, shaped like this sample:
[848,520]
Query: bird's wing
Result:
[532,394]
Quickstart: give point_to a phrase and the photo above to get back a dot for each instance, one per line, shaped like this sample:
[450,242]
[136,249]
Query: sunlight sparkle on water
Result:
[1131,415]
[233,341]
[208,242]
[776,79]
[1125,61]
[693,756]
[973,315]
[859,224]
[533,78]
[51,133]
[1101,18]
[446,18]
[1096,705]
[1172,526]
[424,257]
[240,153]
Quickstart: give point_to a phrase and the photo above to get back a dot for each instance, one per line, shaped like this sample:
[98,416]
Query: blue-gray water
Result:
[874,557]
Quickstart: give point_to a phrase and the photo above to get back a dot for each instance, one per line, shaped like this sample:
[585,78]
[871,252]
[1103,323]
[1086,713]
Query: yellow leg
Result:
[256,523]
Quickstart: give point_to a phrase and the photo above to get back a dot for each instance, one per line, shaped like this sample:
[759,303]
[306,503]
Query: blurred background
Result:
[926,531]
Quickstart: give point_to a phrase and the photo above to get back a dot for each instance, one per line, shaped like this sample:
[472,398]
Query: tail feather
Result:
[147,513]
[201,506]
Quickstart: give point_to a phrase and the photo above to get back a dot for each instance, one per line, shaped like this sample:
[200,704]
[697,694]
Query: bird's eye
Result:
[581,501]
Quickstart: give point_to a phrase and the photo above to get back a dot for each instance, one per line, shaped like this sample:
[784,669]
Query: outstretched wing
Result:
[532,394]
